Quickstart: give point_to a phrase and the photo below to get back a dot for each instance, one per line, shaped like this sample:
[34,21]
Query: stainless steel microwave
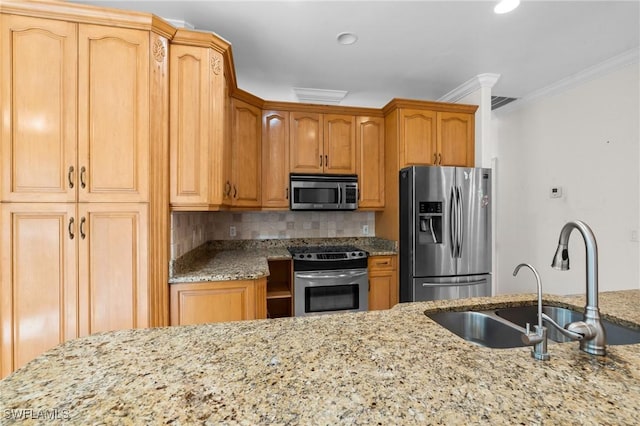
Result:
[323,192]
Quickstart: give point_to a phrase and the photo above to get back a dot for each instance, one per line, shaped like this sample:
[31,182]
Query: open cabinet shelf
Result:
[279,289]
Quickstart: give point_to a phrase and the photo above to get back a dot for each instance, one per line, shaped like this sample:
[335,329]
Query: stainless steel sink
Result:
[481,328]
[616,334]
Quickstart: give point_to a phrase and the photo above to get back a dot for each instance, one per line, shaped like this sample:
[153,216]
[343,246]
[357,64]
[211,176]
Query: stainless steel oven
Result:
[329,279]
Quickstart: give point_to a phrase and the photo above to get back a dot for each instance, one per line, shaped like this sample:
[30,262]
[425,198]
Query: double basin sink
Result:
[503,327]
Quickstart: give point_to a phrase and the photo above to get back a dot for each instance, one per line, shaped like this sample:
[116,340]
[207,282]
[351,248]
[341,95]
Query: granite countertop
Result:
[379,367]
[247,259]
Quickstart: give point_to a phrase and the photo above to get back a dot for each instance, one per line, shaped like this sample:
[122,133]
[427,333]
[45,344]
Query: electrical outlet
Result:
[232,231]
[365,229]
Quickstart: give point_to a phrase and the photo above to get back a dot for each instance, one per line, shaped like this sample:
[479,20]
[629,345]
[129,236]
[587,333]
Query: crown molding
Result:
[320,96]
[180,23]
[603,68]
[479,81]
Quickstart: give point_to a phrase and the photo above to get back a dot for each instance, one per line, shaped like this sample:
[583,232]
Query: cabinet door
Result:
[246,162]
[275,159]
[38,101]
[113,108]
[113,267]
[370,161]
[200,303]
[38,297]
[306,149]
[189,125]
[418,133]
[339,144]
[456,139]
[383,288]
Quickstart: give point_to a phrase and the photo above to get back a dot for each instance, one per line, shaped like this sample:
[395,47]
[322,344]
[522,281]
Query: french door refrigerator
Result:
[445,233]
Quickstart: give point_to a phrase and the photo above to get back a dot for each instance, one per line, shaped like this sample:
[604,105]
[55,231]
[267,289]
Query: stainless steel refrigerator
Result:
[445,233]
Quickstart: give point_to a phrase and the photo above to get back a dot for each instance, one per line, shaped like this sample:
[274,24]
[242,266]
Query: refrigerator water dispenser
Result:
[430,222]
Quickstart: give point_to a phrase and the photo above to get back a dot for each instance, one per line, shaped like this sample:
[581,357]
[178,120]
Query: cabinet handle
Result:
[440,158]
[235,191]
[71,234]
[286,193]
[70,176]
[82,234]
[227,189]
[435,158]
[83,170]
[384,263]
[321,161]
[326,161]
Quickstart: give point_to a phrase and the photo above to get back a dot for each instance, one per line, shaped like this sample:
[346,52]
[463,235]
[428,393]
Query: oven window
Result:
[316,195]
[331,298]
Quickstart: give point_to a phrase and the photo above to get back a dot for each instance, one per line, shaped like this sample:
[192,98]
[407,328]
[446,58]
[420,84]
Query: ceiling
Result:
[406,49]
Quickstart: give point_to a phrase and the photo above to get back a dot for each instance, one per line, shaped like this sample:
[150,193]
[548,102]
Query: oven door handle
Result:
[330,275]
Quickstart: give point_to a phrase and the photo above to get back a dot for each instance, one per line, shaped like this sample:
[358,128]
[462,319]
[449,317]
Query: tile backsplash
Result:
[191,229]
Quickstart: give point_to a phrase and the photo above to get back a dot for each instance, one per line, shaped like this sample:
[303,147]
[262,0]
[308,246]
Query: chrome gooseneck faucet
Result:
[537,339]
[590,331]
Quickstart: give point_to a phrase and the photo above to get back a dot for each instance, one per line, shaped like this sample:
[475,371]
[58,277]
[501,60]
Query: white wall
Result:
[586,140]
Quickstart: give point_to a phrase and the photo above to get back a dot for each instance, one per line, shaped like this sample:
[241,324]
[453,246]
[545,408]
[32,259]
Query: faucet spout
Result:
[538,339]
[597,344]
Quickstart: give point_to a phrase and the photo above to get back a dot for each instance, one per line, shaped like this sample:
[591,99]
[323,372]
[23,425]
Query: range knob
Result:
[361,254]
[308,256]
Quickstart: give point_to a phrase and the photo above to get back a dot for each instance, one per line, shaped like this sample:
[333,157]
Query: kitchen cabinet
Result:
[246,159]
[436,138]
[370,162]
[217,301]
[280,289]
[383,283]
[199,112]
[275,159]
[322,143]
[84,184]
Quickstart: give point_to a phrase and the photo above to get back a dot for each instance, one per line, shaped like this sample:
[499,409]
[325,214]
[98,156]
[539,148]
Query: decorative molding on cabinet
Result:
[470,86]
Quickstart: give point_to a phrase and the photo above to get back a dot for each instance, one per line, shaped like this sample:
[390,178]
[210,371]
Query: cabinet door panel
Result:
[306,143]
[189,93]
[370,161]
[113,105]
[417,137]
[38,101]
[456,136]
[339,144]
[201,303]
[246,154]
[113,266]
[379,292]
[38,295]
[275,159]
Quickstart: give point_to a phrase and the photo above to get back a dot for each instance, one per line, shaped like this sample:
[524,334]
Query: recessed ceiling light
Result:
[347,38]
[506,6]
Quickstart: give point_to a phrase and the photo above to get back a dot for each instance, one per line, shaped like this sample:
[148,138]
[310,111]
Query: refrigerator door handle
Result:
[460,223]
[439,284]
[453,223]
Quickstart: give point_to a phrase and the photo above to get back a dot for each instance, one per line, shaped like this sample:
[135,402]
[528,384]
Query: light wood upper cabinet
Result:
[197,129]
[322,143]
[339,144]
[247,159]
[113,104]
[306,142]
[418,137]
[456,139]
[275,159]
[370,161]
[38,93]
[113,294]
[38,308]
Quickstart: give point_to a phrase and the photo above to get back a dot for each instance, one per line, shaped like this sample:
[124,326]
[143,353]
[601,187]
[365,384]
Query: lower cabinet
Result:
[383,283]
[217,301]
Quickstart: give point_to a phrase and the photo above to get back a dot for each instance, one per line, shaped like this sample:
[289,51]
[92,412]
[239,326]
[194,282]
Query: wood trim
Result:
[159,234]
[247,97]
[325,109]
[81,13]
[260,297]
[430,105]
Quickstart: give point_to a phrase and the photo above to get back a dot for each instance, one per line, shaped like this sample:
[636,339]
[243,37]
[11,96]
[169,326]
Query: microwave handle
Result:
[339,194]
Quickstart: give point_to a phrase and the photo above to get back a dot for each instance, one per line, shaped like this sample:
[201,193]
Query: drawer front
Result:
[382,263]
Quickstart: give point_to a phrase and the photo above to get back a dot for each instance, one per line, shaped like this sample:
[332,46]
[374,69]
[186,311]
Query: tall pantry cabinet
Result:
[84,183]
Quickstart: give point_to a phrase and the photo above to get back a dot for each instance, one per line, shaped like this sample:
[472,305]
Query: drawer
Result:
[382,263]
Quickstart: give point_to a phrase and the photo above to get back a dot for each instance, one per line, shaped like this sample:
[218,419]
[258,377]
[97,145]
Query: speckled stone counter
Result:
[247,259]
[382,367]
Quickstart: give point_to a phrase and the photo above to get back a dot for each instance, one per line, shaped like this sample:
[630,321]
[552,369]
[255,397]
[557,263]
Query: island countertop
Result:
[381,367]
